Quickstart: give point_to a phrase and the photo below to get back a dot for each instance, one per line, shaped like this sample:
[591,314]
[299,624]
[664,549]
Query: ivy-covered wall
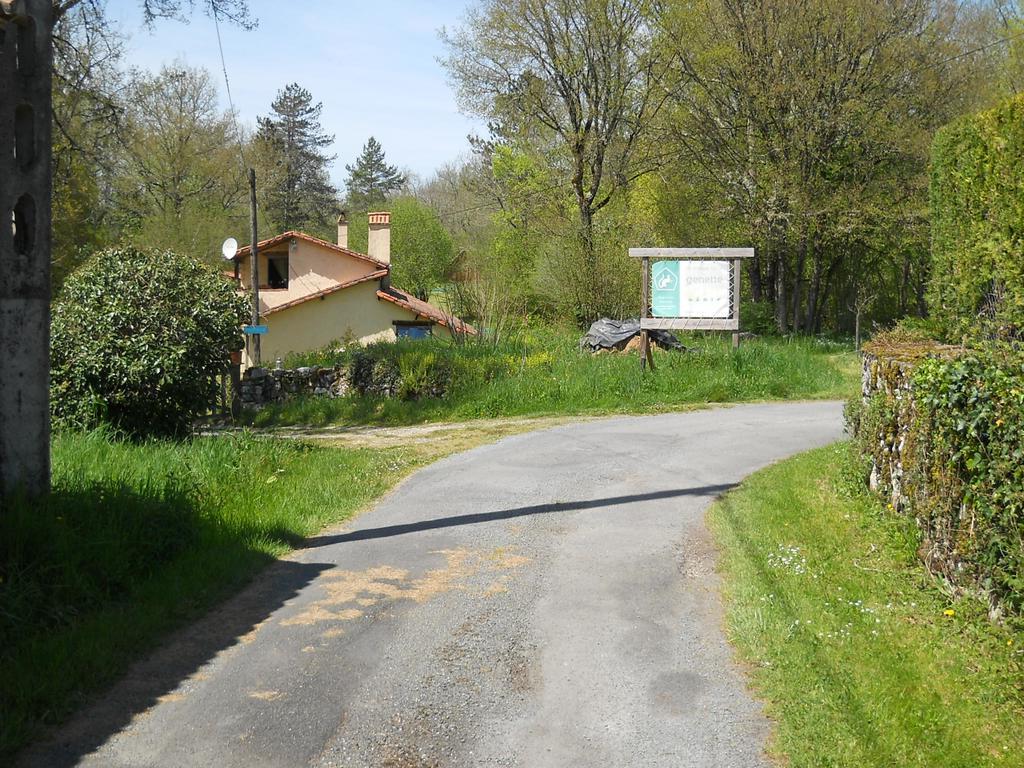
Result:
[977,214]
[943,429]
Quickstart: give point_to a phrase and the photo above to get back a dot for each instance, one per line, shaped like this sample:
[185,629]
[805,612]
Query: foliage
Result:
[967,478]
[977,198]
[137,339]
[578,87]
[808,124]
[236,11]
[295,187]
[180,185]
[542,372]
[418,370]
[87,114]
[422,252]
[861,659]
[137,539]
[946,438]
[371,181]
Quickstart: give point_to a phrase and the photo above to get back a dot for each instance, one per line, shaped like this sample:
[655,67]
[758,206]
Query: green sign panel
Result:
[665,295]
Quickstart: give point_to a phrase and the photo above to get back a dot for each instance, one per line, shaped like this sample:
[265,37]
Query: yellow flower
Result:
[999,422]
[949,612]
[1010,641]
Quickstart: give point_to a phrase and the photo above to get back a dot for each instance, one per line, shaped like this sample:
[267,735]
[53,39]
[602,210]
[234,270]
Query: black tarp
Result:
[615,334]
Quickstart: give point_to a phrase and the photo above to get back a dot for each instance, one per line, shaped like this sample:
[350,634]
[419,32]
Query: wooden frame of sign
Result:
[693,323]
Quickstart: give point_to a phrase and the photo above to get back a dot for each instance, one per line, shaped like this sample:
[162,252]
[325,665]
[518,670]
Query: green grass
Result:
[862,658]
[135,540]
[545,374]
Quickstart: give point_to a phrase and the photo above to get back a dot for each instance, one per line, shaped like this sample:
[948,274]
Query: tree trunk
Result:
[754,270]
[588,292]
[798,279]
[814,292]
[780,292]
[904,285]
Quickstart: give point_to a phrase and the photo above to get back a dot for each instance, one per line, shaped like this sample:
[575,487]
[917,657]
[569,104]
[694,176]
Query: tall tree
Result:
[181,185]
[580,82]
[87,120]
[296,188]
[813,119]
[371,181]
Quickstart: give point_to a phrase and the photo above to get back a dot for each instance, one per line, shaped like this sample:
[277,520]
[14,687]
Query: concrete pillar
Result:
[25,81]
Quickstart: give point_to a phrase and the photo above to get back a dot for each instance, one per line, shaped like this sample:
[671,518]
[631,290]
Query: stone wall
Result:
[891,377]
[888,371]
[261,386]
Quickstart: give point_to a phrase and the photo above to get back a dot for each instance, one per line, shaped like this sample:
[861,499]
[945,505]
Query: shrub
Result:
[977,211]
[967,474]
[945,433]
[423,369]
[137,340]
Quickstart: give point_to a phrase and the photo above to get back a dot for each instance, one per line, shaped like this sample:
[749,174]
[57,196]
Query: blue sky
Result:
[372,64]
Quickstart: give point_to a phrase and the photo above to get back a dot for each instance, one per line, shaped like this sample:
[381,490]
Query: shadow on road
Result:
[509,514]
[151,679]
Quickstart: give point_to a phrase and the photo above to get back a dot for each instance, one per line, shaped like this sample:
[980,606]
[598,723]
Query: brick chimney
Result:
[379,240]
[343,230]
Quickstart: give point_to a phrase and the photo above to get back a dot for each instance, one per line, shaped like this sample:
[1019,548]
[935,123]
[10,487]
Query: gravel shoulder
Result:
[546,600]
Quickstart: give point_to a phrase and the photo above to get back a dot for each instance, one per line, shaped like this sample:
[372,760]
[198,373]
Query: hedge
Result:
[977,214]
[945,435]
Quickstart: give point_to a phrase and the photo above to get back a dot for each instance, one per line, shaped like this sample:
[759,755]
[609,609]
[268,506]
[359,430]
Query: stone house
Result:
[313,292]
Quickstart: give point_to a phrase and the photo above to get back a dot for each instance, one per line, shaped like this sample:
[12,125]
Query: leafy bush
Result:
[422,369]
[946,437]
[758,317]
[977,210]
[967,476]
[137,340]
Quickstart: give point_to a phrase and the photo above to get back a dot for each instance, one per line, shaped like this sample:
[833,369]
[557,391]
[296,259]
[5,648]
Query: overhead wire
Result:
[227,86]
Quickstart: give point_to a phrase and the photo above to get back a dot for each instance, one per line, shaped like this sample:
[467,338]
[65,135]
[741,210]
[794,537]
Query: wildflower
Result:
[949,612]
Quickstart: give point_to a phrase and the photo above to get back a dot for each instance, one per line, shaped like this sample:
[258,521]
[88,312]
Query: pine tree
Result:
[296,189]
[370,179]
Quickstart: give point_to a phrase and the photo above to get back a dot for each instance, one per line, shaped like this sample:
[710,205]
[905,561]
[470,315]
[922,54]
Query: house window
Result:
[413,330]
[277,270]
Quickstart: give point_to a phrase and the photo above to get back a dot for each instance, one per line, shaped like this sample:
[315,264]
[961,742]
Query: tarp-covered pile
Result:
[616,334]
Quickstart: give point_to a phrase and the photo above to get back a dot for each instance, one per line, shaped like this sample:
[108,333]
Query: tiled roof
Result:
[285,236]
[424,309]
[328,291]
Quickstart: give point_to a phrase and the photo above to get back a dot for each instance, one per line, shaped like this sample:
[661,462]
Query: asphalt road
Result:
[548,600]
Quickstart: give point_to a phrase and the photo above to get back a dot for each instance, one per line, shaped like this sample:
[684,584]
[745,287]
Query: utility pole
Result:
[25,86]
[254,270]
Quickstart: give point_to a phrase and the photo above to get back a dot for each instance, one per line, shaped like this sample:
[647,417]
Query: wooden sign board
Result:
[690,289]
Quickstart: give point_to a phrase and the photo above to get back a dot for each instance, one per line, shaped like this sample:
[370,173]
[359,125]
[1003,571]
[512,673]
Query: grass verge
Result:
[862,659]
[545,374]
[136,540]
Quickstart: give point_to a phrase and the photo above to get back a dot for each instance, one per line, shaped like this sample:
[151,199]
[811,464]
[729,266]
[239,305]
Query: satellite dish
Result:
[230,248]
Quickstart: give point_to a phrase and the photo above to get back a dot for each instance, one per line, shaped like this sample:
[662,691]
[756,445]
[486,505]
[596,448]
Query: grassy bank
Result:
[137,539]
[862,659]
[544,373]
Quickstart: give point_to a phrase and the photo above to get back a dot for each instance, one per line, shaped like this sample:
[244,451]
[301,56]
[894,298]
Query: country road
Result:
[548,600]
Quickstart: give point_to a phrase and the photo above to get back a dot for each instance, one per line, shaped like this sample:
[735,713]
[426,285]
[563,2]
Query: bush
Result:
[137,339]
[967,477]
[423,369]
[977,211]
[946,437]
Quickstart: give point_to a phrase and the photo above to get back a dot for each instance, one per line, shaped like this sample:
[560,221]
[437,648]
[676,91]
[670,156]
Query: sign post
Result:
[689,289]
